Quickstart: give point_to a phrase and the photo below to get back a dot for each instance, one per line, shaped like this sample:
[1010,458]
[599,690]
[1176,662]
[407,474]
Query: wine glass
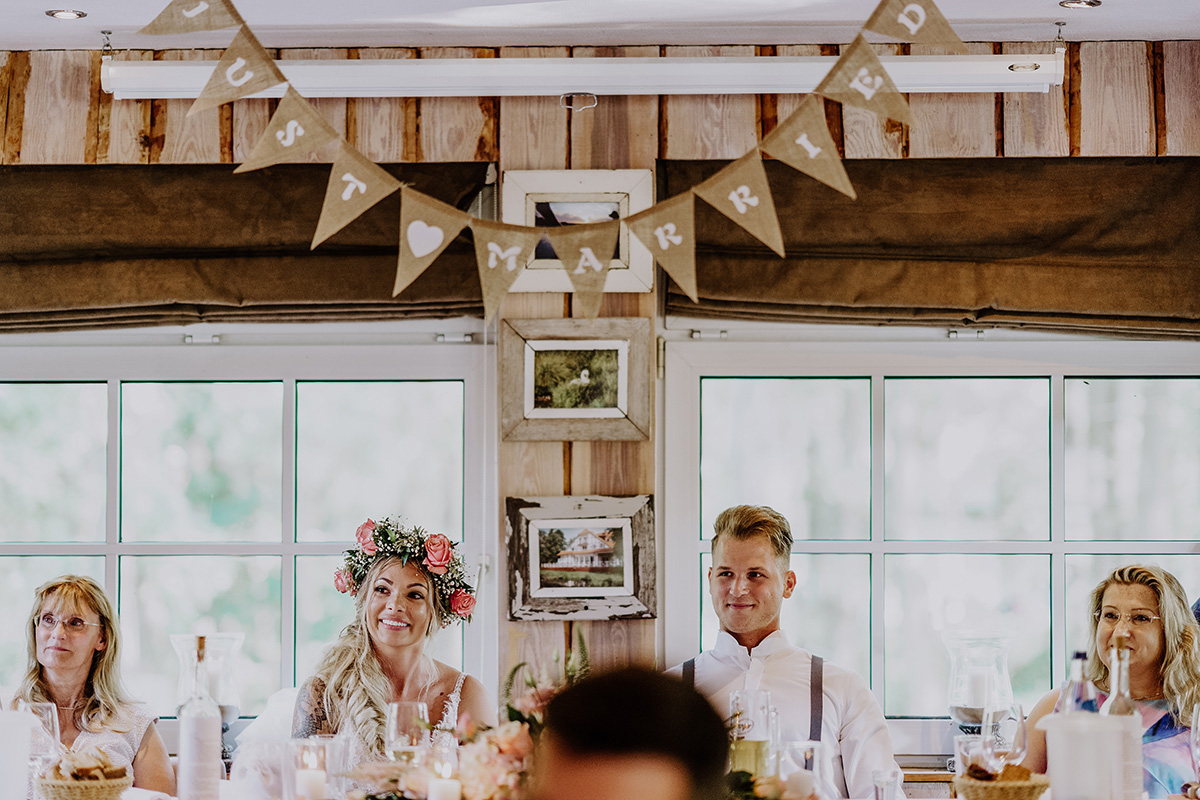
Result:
[44,746]
[407,730]
[1004,737]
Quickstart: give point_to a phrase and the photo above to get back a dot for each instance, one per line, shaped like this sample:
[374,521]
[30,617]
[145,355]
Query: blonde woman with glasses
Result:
[73,657]
[1146,605]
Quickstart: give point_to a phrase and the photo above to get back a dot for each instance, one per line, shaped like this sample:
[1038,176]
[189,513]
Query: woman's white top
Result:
[120,746]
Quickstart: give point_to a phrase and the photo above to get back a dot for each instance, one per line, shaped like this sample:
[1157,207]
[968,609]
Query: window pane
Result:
[925,595]
[375,449]
[829,613]
[322,612]
[1132,458]
[799,445]
[201,461]
[967,459]
[53,438]
[162,595]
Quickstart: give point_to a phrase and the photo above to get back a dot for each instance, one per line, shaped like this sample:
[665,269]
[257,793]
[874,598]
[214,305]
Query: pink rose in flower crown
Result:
[438,552]
[341,581]
[366,537]
[462,602]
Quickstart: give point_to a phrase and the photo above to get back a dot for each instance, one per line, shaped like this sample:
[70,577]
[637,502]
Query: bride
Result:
[407,584]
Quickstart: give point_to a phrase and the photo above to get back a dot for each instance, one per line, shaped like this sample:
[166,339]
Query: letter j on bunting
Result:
[192,16]
[802,141]
[427,226]
[740,191]
[502,251]
[586,253]
[244,69]
[914,21]
[669,232]
[859,79]
[355,184]
[295,130]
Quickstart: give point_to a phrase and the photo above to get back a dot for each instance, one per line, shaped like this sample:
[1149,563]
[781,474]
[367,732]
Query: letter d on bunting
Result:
[914,21]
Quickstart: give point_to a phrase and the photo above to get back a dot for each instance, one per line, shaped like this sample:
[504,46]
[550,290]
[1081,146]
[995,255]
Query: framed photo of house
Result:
[575,379]
[580,557]
[551,198]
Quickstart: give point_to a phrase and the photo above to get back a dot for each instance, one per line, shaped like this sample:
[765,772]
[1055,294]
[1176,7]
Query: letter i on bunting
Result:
[502,251]
[586,253]
[294,131]
[244,69]
[191,16]
[427,226]
[914,21]
[802,141]
[668,230]
[355,184]
[741,192]
[859,79]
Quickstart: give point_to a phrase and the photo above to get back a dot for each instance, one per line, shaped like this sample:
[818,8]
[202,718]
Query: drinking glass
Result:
[1004,737]
[887,783]
[750,733]
[44,746]
[407,730]
[967,751]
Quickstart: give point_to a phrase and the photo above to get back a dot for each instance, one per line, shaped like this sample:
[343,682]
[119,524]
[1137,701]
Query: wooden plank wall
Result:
[1121,99]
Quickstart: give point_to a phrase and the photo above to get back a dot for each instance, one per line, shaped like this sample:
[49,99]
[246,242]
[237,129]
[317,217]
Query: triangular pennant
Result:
[244,69]
[668,230]
[586,254]
[427,226]
[741,192]
[355,184]
[802,141]
[191,16]
[914,21]
[502,251]
[295,129]
[859,79]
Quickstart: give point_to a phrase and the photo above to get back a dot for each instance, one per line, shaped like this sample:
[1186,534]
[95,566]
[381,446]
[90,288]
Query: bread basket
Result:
[83,790]
[972,789]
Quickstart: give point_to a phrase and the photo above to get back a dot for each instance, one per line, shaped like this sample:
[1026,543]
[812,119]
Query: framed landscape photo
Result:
[552,198]
[575,379]
[580,557]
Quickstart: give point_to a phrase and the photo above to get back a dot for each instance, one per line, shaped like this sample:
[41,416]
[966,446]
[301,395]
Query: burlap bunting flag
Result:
[586,254]
[859,79]
[915,21]
[803,142]
[244,69]
[668,230]
[295,130]
[741,192]
[427,226]
[355,184]
[502,251]
[191,16]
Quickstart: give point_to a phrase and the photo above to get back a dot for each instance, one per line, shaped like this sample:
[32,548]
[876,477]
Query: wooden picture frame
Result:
[575,379]
[603,558]
[597,193]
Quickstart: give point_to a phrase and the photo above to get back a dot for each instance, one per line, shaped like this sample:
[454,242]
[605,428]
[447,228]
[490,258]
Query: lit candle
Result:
[978,687]
[444,789]
[310,784]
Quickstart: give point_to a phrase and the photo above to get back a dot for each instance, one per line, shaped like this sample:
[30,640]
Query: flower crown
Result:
[453,594]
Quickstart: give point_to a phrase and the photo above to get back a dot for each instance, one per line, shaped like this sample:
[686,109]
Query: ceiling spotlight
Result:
[65,13]
[1079,3]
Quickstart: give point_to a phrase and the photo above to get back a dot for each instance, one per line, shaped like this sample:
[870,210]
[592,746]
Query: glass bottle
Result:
[1120,705]
[200,764]
[1078,694]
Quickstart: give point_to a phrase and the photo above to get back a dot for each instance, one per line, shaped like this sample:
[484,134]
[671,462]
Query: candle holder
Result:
[312,769]
[978,676]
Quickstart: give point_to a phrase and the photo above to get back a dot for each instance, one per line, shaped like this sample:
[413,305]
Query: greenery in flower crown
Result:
[434,552]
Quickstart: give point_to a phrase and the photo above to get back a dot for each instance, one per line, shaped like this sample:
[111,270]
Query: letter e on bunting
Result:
[502,251]
[244,69]
[190,16]
[355,184]
[295,130]
[668,230]
[741,192]
[802,141]
[859,79]
[586,253]
[427,226]
[914,21]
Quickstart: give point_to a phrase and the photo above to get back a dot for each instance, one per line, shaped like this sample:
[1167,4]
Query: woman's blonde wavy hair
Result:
[1180,668]
[104,697]
[356,690]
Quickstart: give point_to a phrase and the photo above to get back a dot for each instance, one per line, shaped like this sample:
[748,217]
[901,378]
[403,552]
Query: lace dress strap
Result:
[449,720]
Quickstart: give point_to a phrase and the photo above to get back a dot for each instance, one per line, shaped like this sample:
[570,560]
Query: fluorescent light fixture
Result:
[553,77]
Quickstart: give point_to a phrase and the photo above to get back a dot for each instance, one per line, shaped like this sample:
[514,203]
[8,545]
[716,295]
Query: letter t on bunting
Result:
[859,79]
[191,16]
[741,192]
[586,252]
[502,251]
[802,141]
[427,226]
[244,69]
[294,131]
[915,21]
[668,230]
[355,184]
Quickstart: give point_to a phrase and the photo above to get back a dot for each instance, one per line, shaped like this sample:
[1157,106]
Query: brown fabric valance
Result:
[1090,245]
[103,246]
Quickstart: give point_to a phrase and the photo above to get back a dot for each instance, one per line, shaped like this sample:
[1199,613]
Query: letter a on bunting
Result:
[859,79]
[355,184]
[294,131]
[586,253]
[668,230]
[245,69]
[190,16]
[741,192]
[914,21]
[802,141]
[427,226]
[502,251]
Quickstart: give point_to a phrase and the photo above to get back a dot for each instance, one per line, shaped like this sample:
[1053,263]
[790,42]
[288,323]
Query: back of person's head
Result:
[638,713]
[744,522]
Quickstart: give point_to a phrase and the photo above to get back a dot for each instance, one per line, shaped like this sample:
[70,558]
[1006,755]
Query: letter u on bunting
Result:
[914,21]
[427,226]
[859,79]
[586,252]
[502,251]
[741,192]
[190,16]
[294,131]
[802,141]
[668,230]
[355,184]
[244,69]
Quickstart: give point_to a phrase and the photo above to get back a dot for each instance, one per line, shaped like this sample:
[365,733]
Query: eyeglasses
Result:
[1110,617]
[49,622]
